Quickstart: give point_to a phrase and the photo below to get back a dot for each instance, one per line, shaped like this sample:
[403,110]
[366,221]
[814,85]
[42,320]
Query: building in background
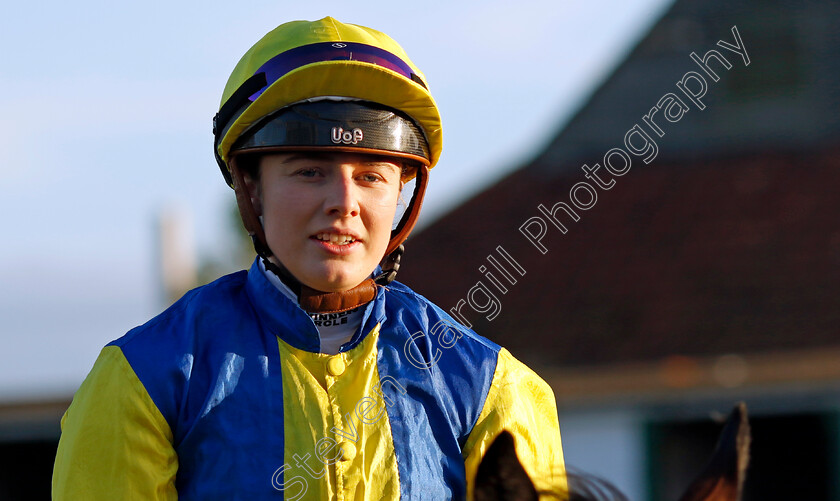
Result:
[675,249]
[177,259]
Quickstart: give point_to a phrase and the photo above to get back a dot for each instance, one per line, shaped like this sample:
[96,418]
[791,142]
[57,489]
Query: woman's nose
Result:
[342,198]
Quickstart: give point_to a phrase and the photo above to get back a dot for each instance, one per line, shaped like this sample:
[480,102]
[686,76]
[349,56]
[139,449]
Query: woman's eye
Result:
[307,172]
[370,178]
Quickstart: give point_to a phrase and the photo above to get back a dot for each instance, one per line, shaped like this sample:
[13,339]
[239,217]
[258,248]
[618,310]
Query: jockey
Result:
[313,375]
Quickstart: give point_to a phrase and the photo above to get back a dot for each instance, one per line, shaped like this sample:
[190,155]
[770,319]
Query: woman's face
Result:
[327,216]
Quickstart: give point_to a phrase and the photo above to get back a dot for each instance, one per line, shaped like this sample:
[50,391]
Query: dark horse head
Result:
[501,477]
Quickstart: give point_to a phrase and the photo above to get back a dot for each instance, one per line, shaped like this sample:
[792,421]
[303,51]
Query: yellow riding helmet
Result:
[301,60]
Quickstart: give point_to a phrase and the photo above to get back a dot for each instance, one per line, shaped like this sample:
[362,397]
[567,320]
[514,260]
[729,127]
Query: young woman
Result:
[313,375]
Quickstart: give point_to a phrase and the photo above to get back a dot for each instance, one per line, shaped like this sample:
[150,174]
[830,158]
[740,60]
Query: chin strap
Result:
[390,266]
[281,272]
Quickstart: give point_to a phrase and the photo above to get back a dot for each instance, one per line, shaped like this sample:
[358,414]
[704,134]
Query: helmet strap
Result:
[246,211]
[390,266]
[405,226]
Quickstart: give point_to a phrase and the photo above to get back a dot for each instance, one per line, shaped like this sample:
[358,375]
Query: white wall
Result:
[608,443]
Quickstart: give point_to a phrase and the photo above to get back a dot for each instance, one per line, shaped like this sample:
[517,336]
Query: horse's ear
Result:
[723,478]
[501,476]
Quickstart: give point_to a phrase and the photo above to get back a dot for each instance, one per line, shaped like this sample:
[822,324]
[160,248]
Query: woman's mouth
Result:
[335,238]
[337,244]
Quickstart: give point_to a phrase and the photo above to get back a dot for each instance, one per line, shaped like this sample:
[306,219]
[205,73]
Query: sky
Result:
[106,122]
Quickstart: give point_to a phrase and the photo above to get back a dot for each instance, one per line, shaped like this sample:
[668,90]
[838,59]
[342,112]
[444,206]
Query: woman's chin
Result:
[333,281]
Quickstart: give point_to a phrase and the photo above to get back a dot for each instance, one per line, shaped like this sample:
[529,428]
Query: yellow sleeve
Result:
[522,403]
[115,444]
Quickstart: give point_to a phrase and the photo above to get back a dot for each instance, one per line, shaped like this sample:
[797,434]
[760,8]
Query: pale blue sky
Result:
[106,113]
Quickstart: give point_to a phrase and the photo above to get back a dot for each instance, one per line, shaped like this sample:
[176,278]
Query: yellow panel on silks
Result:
[521,402]
[338,442]
[123,447]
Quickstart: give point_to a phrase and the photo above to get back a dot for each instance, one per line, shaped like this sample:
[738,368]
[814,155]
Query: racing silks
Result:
[225,396]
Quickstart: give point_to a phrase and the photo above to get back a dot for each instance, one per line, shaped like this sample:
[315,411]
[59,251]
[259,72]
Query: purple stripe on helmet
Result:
[292,59]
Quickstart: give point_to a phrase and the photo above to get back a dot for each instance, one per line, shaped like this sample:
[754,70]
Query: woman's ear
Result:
[405,170]
[254,192]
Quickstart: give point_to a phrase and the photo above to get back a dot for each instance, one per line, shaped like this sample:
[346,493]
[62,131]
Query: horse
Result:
[501,477]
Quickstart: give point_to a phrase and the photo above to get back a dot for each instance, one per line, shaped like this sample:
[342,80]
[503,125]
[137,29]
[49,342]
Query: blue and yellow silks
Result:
[226,396]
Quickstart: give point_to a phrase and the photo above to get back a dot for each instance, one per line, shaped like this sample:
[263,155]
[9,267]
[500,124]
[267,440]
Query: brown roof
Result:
[736,254]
